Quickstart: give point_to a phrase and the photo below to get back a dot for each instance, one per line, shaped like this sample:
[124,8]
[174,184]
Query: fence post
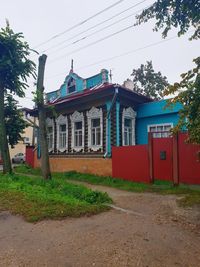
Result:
[150,148]
[175,160]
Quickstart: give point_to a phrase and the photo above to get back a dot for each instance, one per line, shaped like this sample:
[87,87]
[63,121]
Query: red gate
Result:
[162,158]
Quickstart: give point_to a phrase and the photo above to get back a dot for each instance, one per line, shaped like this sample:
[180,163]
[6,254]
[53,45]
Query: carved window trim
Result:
[50,123]
[128,113]
[77,117]
[95,113]
[62,120]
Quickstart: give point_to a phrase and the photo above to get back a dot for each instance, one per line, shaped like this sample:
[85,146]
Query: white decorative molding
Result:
[77,117]
[61,120]
[128,113]
[50,123]
[95,113]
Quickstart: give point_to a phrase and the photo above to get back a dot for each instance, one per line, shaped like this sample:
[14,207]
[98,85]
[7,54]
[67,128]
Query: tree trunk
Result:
[7,168]
[42,119]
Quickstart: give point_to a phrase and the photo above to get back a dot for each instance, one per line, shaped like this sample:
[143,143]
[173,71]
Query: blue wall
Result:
[154,113]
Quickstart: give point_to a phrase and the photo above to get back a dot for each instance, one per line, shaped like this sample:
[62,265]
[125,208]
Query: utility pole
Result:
[42,119]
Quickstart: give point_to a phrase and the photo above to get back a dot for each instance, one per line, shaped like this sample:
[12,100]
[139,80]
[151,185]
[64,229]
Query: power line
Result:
[129,52]
[93,43]
[96,25]
[100,30]
[122,55]
[80,23]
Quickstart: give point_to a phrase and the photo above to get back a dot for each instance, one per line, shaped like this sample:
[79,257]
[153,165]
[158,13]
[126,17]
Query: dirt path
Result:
[148,230]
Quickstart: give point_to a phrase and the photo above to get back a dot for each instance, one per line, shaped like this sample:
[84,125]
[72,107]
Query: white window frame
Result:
[95,113]
[62,120]
[50,123]
[77,117]
[128,113]
[159,134]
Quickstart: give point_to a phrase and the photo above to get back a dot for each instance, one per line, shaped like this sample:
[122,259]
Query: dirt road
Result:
[144,230]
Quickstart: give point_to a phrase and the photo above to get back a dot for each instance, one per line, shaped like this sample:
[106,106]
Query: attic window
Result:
[71,86]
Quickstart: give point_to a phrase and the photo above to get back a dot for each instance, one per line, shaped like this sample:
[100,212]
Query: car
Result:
[19,158]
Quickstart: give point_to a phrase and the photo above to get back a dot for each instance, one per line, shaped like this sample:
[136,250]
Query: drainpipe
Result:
[108,124]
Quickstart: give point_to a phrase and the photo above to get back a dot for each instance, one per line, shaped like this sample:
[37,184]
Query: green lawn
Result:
[37,199]
[191,195]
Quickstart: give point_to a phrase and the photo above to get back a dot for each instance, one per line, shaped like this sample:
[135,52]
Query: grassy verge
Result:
[191,195]
[37,199]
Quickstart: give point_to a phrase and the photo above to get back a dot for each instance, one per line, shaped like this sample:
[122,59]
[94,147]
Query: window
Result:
[96,132]
[26,140]
[160,130]
[128,127]
[77,122]
[127,132]
[50,133]
[62,136]
[71,86]
[78,132]
[50,137]
[95,129]
[62,133]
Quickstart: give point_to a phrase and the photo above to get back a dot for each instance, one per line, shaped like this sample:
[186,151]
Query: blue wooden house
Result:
[91,115]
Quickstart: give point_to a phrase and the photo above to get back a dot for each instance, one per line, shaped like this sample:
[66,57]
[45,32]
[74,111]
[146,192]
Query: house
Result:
[86,117]
[28,136]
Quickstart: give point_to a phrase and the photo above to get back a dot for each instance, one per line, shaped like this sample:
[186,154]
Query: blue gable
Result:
[78,84]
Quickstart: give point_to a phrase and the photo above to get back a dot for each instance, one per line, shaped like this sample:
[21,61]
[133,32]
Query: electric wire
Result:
[96,25]
[80,23]
[91,34]
[93,43]
[121,55]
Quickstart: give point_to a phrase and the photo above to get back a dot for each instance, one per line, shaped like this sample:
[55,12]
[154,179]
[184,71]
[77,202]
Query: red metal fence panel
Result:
[30,156]
[131,163]
[189,161]
[166,158]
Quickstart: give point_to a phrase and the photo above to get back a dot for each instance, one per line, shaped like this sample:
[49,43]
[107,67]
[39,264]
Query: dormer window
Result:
[71,86]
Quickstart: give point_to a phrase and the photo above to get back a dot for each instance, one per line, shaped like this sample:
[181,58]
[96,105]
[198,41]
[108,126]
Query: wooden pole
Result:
[42,119]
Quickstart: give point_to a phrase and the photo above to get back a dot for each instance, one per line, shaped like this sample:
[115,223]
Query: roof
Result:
[96,92]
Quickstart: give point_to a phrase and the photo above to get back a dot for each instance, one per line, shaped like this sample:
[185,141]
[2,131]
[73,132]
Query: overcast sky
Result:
[41,21]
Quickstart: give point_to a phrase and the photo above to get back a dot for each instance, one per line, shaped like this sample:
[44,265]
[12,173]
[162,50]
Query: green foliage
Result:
[15,67]
[188,90]
[37,199]
[190,195]
[148,82]
[15,124]
[181,14]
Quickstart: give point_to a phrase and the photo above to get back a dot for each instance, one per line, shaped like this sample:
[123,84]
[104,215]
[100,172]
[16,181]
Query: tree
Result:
[148,82]
[15,68]
[15,124]
[188,90]
[181,14]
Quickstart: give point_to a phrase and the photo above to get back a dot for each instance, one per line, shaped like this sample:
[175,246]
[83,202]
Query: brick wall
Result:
[98,166]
